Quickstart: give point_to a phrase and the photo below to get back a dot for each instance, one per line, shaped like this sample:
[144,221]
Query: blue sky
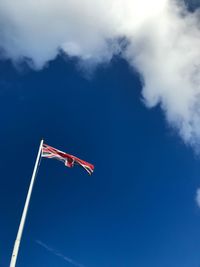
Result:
[138,208]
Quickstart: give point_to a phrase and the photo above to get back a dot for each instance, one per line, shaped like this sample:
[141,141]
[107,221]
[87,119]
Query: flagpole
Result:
[24,214]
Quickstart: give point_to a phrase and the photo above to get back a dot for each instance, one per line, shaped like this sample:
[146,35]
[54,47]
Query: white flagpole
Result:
[23,219]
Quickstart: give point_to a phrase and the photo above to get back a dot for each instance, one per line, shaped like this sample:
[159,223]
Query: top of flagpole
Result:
[41,143]
[41,147]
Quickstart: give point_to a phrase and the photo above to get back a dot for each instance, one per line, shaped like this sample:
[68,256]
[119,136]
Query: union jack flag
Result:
[67,159]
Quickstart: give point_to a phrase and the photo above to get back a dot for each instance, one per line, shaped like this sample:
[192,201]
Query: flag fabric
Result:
[67,159]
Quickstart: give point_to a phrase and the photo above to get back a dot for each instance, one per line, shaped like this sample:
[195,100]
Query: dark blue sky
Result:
[138,209]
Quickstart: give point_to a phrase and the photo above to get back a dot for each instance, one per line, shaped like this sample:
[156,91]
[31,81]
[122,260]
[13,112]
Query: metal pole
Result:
[23,219]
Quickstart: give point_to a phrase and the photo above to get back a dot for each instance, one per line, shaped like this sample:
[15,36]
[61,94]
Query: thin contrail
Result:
[58,254]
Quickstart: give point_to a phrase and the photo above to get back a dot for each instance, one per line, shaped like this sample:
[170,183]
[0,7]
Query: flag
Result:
[67,159]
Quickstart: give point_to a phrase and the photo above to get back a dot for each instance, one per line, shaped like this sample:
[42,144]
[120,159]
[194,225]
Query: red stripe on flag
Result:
[69,160]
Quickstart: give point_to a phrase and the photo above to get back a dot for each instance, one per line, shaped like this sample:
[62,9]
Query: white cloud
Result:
[163,45]
[198,197]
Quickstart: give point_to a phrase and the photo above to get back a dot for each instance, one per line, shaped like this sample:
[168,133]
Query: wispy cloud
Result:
[58,254]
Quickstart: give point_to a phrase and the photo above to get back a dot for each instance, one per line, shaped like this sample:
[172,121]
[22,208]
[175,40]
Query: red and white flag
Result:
[67,159]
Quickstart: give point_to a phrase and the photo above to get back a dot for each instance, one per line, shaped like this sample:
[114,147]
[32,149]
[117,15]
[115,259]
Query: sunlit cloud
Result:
[162,43]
